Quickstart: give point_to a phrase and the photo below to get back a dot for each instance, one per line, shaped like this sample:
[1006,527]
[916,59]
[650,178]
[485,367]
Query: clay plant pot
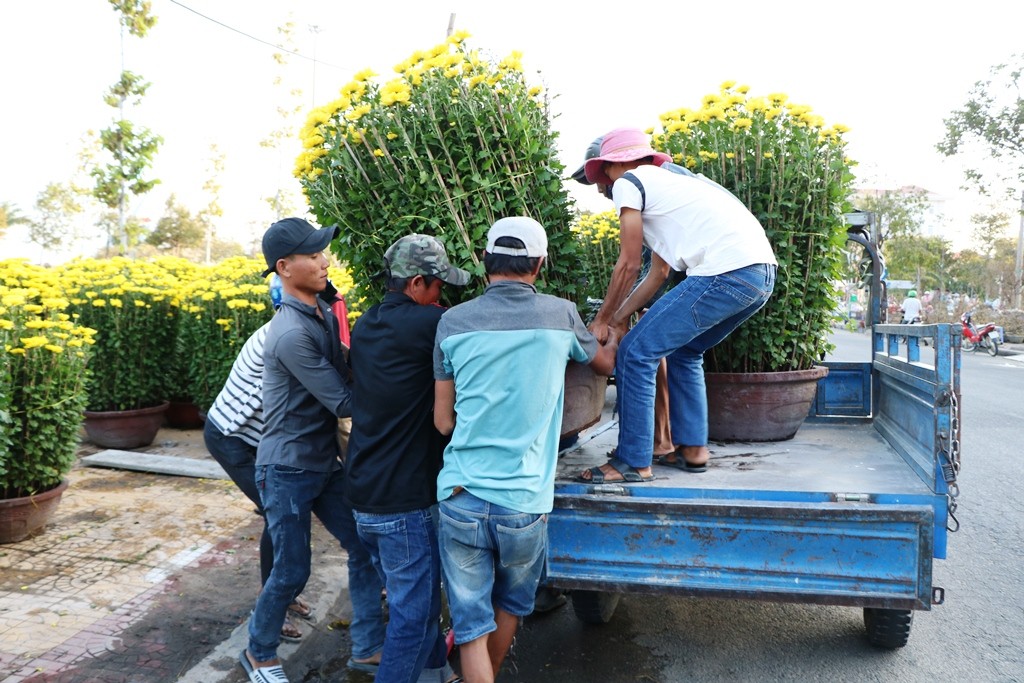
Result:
[125,428]
[584,398]
[184,415]
[24,517]
[759,406]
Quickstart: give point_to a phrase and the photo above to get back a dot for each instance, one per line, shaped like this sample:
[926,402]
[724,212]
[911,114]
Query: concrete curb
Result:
[329,585]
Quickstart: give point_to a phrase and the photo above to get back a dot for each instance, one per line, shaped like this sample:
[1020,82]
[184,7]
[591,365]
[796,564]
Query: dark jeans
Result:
[404,549]
[239,460]
[291,496]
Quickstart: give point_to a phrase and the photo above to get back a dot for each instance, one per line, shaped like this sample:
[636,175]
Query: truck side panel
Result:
[827,553]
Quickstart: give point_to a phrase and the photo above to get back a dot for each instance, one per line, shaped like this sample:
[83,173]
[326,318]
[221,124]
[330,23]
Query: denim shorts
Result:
[490,555]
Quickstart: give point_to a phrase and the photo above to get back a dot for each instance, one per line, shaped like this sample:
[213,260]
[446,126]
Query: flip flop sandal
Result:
[289,631]
[680,464]
[614,453]
[301,609]
[630,475]
[366,667]
[264,674]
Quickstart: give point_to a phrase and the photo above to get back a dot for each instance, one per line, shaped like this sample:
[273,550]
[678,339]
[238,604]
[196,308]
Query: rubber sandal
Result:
[301,609]
[366,667]
[630,475]
[614,453]
[264,674]
[680,464]
[290,637]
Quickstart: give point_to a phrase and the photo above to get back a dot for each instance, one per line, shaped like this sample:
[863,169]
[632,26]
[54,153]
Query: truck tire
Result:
[888,628]
[594,607]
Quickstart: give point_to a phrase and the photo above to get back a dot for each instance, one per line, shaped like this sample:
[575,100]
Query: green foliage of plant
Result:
[129,304]
[597,236]
[446,148]
[792,173]
[897,213]
[925,261]
[220,307]
[132,153]
[43,377]
[136,15]
[10,215]
[177,229]
[990,126]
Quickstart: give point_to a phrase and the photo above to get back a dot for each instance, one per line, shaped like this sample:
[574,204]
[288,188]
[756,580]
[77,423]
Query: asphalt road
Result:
[977,635]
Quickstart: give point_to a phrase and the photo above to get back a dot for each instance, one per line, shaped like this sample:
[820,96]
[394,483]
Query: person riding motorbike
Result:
[911,308]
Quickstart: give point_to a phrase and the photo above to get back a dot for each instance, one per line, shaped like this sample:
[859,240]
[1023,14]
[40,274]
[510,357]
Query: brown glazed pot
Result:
[184,415]
[584,398]
[759,406]
[125,428]
[24,517]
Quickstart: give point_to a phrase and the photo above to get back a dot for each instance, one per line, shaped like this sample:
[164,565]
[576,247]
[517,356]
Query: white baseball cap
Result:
[527,230]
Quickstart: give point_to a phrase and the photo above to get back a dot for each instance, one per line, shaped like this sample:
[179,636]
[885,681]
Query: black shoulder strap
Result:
[636,181]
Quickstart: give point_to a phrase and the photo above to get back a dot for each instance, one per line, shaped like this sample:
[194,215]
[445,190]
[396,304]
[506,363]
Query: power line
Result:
[252,37]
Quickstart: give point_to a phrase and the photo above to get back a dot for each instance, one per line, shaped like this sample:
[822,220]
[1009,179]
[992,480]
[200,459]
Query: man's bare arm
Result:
[444,406]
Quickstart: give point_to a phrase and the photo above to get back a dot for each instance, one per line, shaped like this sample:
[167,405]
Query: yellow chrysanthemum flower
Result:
[34,342]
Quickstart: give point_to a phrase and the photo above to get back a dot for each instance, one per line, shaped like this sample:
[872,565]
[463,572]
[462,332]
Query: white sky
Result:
[891,70]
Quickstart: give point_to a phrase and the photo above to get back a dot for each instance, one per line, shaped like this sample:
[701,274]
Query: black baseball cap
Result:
[593,151]
[294,236]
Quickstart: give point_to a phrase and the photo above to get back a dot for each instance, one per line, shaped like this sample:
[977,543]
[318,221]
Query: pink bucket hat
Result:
[622,144]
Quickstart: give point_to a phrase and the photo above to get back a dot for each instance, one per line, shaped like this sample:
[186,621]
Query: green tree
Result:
[131,232]
[177,229]
[10,215]
[212,211]
[130,149]
[1000,268]
[898,213]
[925,260]
[57,206]
[136,15]
[283,202]
[988,228]
[989,128]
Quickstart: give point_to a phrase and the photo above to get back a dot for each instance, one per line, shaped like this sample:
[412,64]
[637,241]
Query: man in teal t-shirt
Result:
[499,366]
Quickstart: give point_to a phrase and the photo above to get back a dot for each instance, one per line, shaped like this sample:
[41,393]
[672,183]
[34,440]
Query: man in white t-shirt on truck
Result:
[690,225]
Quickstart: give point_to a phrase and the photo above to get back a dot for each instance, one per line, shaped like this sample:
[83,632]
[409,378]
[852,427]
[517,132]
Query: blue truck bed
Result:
[851,511]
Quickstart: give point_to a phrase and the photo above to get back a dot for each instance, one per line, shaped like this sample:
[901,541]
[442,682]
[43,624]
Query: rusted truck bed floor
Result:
[822,457]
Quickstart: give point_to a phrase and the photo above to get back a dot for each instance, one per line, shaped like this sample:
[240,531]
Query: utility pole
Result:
[1018,270]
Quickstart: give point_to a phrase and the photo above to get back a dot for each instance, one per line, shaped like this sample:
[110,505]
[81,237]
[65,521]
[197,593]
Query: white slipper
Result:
[264,674]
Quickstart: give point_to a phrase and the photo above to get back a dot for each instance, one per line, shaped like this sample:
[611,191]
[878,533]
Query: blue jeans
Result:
[403,547]
[290,496]
[239,462]
[493,556]
[688,320]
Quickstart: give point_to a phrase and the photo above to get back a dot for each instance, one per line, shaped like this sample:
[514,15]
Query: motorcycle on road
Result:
[987,337]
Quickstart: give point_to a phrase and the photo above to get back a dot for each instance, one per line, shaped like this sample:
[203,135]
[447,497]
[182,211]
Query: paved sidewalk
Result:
[149,578]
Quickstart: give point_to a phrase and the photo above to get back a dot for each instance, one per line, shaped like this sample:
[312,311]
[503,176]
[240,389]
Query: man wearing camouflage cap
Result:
[395,454]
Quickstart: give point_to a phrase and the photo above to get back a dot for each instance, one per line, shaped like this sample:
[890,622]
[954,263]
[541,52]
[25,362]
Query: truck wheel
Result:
[992,347]
[888,628]
[594,607]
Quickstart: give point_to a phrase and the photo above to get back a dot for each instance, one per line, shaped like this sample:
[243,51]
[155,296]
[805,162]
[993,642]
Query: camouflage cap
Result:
[422,255]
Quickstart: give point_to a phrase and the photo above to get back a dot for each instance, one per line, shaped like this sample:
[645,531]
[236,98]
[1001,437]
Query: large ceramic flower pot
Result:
[759,406]
[584,398]
[184,415]
[23,517]
[125,428]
